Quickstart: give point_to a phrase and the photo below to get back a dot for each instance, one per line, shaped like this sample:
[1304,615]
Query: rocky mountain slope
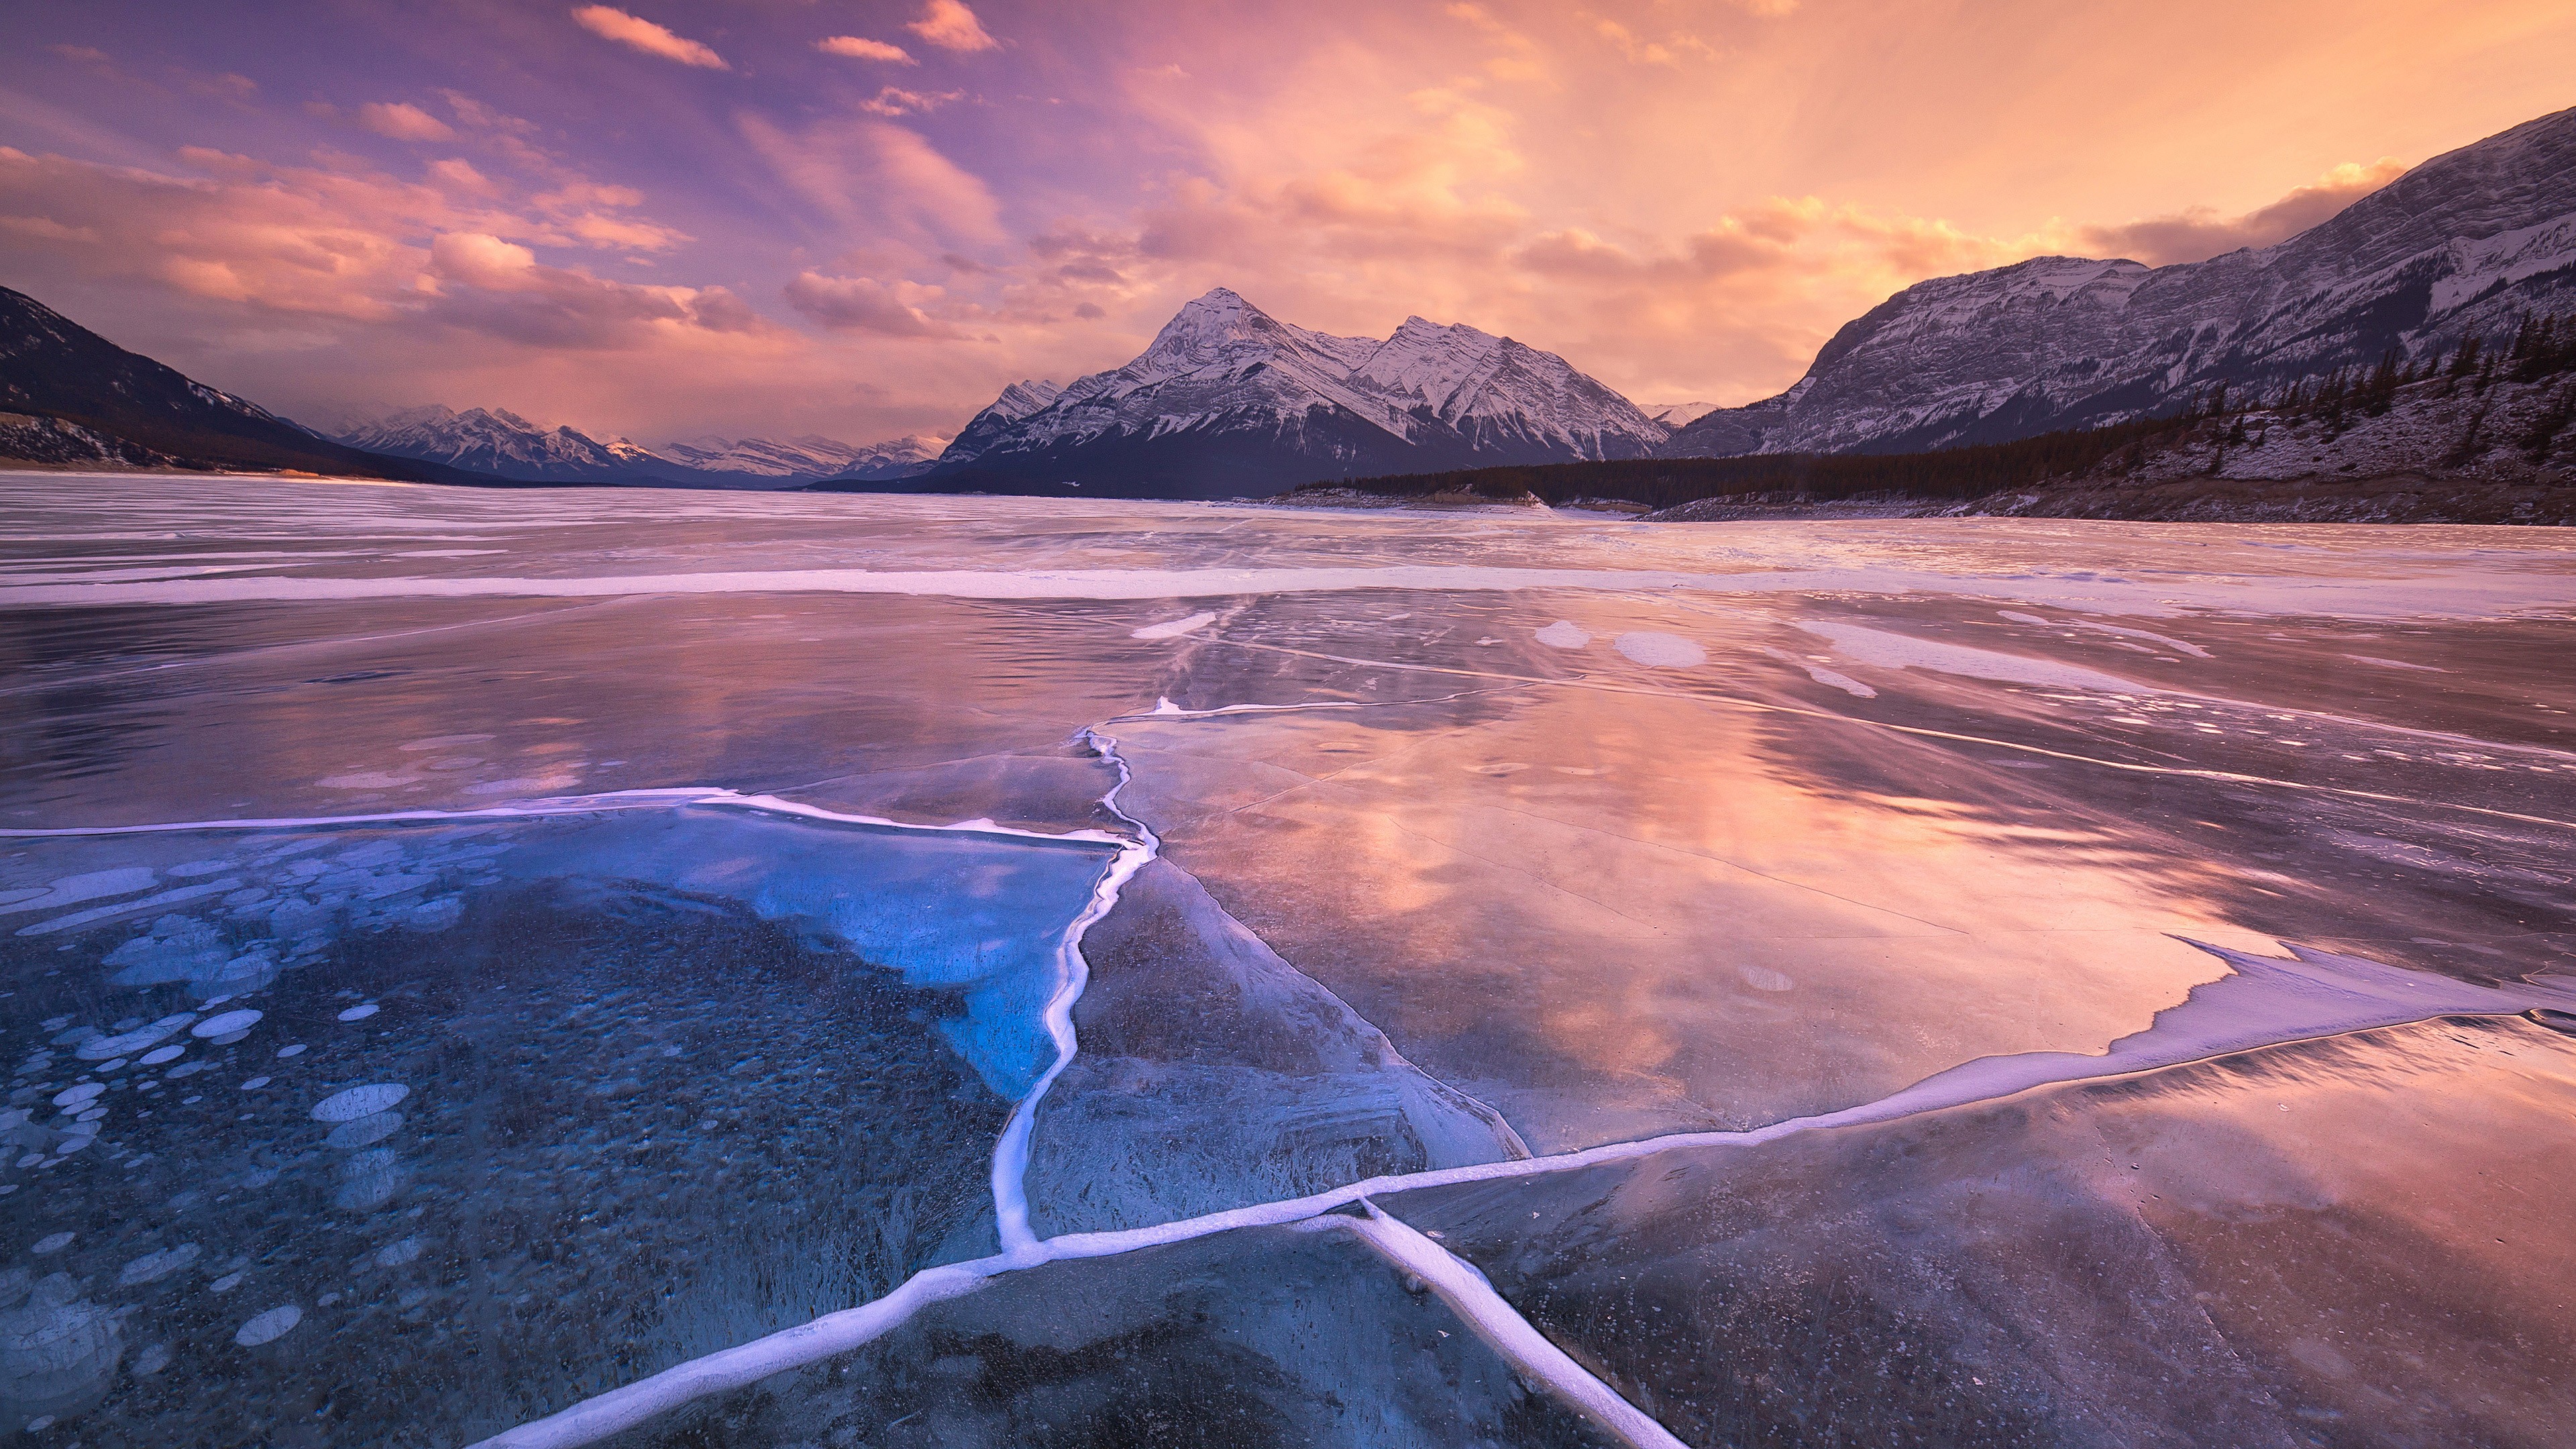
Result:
[2455,247]
[996,421]
[71,398]
[1229,400]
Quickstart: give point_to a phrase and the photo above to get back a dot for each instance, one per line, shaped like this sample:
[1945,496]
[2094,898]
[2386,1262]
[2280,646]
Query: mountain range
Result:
[2456,247]
[1229,401]
[500,443]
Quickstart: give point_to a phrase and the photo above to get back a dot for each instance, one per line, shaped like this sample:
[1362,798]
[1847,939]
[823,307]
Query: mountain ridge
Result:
[2455,247]
[1228,400]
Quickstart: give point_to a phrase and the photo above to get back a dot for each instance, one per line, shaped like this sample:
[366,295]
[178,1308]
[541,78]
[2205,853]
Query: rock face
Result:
[1229,401]
[2455,247]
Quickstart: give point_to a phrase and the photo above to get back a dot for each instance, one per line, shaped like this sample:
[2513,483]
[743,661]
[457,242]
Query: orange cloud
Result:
[949,25]
[646,36]
[858,47]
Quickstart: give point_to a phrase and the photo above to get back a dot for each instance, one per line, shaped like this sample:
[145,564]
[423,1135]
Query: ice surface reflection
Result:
[1493,853]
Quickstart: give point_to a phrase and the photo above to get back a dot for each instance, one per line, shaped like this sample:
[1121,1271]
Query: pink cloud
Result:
[874,177]
[896,101]
[864,304]
[859,47]
[646,36]
[949,25]
[403,121]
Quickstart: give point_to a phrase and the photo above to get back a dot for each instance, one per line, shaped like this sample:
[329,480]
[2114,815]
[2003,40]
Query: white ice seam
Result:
[1501,1326]
[1011,1150]
[2309,996]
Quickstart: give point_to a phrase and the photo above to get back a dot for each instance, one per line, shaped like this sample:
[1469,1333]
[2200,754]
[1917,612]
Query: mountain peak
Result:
[1222,376]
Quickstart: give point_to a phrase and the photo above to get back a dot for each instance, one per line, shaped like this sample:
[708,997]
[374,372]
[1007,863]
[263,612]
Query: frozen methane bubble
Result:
[296,1050]
[99,1047]
[57,1354]
[270,1326]
[70,1098]
[152,1267]
[369,1179]
[152,1360]
[225,1023]
[158,1055]
[357,1102]
[364,1131]
[359,1013]
[1563,634]
[53,1243]
[397,1253]
[1662,651]
[1763,978]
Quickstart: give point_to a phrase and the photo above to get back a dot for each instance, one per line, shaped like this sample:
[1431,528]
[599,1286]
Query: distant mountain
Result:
[69,397]
[1230,401]
[808,458]
[2455,247]
[1674,415]
[498,441]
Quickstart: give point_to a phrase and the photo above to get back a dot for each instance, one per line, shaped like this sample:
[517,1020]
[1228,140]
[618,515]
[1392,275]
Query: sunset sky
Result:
[666,219]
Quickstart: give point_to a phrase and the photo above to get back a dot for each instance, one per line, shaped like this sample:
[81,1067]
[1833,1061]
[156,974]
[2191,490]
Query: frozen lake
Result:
[502,964]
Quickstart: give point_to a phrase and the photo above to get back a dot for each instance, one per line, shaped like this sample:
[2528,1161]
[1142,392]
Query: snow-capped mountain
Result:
[1228,400]
[1674,415]
[994,423]
[807,458]
[2456,246]
[500,442]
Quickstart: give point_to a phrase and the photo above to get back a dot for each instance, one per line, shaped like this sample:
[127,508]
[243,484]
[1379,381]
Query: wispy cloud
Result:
[949,25]
[647,37]
[403,121]
[859,47]
[896,101]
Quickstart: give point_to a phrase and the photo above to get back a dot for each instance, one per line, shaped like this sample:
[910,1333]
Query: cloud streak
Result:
[644,35]
[859,47]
